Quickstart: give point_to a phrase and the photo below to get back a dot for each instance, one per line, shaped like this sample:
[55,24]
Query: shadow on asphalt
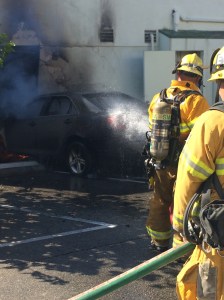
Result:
[121,247]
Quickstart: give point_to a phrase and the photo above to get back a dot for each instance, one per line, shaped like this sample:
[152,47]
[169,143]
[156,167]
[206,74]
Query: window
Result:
[149,34]
[107,35]
[34,109]
[59,106]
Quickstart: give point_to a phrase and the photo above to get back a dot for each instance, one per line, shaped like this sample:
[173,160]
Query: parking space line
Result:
[127,180]
[51,236]
[101,225]
[57,216]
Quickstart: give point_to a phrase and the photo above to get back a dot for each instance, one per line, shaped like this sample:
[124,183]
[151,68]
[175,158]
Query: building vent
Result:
[149,34]
[107,35]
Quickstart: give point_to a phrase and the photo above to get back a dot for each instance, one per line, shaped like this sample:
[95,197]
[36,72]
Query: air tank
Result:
[161,124]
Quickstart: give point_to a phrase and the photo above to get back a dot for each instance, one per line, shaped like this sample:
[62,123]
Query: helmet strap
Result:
[200,82]
[217,91]
[212,59]
[175,69]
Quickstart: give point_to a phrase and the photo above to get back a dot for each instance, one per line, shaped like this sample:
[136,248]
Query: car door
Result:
[20,132]
[53,124]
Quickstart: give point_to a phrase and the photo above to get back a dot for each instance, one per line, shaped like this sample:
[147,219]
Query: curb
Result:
[20,166]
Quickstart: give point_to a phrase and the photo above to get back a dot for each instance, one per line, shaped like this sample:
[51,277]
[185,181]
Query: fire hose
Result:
[135,273]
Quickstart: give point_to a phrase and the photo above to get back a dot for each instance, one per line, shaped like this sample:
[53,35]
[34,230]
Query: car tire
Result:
[79,160]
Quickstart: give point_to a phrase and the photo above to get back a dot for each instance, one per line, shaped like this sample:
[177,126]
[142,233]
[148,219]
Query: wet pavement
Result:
[61,236]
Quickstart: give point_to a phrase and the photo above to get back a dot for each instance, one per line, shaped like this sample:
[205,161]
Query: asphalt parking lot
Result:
[61,236]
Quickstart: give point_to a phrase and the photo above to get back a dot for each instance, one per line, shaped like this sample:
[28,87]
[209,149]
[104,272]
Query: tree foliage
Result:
[6,46]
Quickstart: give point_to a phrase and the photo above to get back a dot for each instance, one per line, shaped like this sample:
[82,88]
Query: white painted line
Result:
[57,216]
[101,225]
[51,236]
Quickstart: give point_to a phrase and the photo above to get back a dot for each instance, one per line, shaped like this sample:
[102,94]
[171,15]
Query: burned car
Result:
[84,130]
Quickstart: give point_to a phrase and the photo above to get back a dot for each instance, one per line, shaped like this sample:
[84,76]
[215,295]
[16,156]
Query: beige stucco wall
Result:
[70,29]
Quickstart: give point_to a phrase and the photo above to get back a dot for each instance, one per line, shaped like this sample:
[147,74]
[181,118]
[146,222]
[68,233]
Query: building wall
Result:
[72,55]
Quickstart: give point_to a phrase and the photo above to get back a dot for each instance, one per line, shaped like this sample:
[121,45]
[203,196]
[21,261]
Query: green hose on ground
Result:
[135,273]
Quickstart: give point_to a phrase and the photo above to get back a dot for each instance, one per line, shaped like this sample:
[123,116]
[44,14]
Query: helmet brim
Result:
[217,76]
[190,70]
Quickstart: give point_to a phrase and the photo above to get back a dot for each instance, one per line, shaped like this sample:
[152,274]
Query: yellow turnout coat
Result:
[202,276]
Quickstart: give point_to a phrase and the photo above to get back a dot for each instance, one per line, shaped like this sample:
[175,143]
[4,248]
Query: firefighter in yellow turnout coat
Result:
[202,276]
[189,77]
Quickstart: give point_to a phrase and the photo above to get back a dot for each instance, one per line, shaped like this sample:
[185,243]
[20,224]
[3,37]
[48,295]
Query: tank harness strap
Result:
[163,94]
[182,95]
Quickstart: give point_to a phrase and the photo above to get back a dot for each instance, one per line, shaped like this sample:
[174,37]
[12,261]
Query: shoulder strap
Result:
[218,186]
[218,106]
[182,95]
[206,193]
[163,95]
[179,97]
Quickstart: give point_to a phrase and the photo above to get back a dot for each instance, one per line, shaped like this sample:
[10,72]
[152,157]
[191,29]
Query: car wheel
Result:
[78,159]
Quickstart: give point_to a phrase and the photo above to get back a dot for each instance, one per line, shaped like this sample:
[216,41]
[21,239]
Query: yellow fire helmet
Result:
[191,63]
[217,64]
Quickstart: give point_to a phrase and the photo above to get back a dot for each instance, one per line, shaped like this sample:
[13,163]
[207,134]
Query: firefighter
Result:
[189,77]
[203,154]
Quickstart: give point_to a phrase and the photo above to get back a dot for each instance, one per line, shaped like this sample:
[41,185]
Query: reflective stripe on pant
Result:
[158,223]
[177,239]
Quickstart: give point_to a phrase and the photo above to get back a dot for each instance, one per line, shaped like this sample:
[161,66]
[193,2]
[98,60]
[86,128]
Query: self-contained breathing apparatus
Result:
[163,147]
